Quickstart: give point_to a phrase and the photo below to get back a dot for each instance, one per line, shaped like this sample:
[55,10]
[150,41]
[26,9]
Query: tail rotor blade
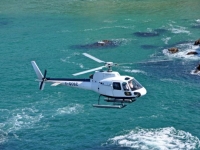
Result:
[41,84]
[43,80]
[45,73]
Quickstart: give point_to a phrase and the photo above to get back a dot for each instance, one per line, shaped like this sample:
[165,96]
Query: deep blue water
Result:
[56,33]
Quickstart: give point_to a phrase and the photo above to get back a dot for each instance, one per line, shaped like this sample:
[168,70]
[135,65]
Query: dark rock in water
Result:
[146,34]
[100,44]
[192,53]
[197,69]
[197,42]
[149,46]
[173,50]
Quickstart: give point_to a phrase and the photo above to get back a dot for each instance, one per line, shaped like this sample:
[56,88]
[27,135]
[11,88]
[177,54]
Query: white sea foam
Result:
[3,136]
[121,41]
[71,109]
[18,119]
[195,73]
[162,138]
[135,71]
[165,40]
[198,20]
[23,119]
[183,50]
[178,29]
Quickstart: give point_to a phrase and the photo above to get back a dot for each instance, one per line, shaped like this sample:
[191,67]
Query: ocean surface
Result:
[56,33]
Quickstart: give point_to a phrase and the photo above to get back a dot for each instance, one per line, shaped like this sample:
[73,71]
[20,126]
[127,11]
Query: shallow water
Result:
[51,32]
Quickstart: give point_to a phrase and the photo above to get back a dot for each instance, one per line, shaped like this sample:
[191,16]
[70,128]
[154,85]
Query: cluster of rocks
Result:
[175,49]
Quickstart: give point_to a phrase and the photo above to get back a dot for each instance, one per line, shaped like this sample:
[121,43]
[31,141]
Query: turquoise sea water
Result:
[56,33]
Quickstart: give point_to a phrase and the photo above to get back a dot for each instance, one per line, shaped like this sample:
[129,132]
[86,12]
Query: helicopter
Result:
[110,85]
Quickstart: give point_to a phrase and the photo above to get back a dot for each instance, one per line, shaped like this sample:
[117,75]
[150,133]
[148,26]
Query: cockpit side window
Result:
[116,86]
[125,86]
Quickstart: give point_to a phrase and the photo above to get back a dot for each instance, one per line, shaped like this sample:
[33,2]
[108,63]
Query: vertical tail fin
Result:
[40,76]
[37,70]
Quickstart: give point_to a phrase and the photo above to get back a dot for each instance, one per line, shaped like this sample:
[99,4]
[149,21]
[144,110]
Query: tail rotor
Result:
[43,80]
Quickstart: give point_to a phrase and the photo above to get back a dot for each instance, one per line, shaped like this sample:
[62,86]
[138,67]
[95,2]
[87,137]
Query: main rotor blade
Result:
[83,72]
[94,58]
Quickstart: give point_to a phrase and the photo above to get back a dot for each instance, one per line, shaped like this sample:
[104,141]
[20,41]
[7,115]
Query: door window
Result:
[116,86]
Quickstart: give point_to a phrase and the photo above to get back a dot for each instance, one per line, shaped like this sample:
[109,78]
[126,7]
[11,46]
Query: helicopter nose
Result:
[143,91]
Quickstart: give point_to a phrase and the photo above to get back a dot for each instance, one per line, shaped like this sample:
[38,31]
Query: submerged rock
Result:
[146,34]
[99,44]
[153,33]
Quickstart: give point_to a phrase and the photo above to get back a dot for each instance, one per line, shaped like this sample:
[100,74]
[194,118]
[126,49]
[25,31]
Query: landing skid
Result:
[117,103]
[119,100]
[109,106]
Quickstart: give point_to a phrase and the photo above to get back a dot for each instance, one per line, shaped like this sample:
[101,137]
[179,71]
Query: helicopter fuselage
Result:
[109,84]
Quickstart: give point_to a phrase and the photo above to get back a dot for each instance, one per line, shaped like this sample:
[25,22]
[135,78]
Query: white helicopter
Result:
[109,84]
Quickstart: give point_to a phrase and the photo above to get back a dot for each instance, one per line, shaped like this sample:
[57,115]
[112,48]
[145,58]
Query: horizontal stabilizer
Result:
[55,84]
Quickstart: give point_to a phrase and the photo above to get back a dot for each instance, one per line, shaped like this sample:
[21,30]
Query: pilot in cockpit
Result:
[132,85]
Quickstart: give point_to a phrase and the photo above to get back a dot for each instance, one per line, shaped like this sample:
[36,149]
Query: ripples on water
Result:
[163,138]
[51,32]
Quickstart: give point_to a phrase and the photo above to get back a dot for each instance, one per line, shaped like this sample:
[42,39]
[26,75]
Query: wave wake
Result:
[183,50]
[16,120]
[162,138]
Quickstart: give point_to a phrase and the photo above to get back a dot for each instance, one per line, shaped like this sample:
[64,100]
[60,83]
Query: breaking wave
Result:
[178,29]
[195,73]
[183,50]
[165,40]
[162,138]
[198,20]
